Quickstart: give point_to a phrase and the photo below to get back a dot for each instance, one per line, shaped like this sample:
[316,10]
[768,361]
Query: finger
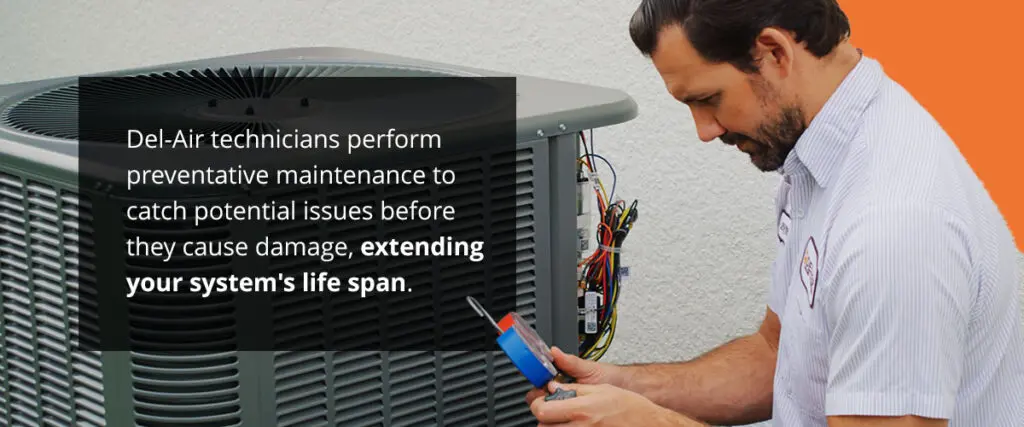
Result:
[533,394]
[553,412]
[553,386]
[560,411]
[558,354]
[573,365]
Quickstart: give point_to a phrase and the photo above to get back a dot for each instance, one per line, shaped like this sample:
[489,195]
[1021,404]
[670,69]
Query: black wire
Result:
[592,150]
[612,216]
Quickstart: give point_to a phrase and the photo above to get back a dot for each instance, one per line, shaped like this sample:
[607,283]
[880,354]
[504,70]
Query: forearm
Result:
[731,384]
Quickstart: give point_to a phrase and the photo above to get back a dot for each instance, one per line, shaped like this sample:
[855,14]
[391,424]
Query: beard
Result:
[775,138]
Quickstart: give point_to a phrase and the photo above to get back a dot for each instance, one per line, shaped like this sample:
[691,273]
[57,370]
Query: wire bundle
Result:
[600,272]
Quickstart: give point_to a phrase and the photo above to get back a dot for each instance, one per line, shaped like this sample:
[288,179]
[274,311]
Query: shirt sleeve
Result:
[898,309]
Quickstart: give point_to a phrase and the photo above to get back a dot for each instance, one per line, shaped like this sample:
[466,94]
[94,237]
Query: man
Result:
[894,295]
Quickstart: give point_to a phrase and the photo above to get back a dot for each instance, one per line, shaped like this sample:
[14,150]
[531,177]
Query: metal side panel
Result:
[42,380]
[563,256]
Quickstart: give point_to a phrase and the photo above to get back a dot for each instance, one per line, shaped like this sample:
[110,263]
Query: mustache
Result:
[734,138]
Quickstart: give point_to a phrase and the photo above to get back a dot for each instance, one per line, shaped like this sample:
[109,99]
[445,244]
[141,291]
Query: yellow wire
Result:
[625,214]
[597,351]
[607,337]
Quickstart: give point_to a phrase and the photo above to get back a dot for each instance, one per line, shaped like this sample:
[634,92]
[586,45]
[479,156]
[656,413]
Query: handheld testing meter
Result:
[528,352]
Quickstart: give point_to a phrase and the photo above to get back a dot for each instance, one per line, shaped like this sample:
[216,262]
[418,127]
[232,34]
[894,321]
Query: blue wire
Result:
[611,289]
[615,178]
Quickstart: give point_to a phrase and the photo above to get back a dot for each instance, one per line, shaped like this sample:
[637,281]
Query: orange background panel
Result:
[962,62]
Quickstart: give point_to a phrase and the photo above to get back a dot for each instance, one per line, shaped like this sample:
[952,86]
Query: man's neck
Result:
[826,77]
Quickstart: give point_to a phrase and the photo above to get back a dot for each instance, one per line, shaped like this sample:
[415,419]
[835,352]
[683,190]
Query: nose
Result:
[707,127]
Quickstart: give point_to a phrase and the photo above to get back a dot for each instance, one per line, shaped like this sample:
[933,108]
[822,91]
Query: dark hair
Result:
[725,30]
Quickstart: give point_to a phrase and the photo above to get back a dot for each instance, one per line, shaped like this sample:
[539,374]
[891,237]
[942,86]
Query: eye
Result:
[709,100]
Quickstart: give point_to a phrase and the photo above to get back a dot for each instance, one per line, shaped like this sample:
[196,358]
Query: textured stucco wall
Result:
[704,207]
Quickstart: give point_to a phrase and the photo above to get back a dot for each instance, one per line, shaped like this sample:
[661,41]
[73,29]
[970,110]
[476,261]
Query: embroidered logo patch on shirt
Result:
[809,270]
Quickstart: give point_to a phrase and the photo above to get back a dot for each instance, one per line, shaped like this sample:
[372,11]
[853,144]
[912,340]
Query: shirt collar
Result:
[819,150]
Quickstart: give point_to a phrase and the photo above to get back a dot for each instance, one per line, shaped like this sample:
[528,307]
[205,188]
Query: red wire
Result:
[600,256]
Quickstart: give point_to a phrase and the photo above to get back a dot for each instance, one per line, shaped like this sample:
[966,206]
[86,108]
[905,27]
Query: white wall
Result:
[702,206]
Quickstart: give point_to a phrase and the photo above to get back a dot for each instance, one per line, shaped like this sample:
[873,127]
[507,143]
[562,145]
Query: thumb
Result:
[580,389]
[574,366]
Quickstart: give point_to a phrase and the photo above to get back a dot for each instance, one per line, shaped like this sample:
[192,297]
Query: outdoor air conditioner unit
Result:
[48,265]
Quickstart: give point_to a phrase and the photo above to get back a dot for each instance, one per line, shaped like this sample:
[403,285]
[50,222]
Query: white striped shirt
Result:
[895,278]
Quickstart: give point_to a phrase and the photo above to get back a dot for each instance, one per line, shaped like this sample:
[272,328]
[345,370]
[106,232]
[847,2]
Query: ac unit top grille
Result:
[223,99]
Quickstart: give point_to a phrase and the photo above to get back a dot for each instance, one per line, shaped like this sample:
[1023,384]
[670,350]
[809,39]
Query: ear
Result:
[774,50]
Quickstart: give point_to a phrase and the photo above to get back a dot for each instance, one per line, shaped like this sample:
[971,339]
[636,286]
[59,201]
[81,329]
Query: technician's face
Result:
[747,111]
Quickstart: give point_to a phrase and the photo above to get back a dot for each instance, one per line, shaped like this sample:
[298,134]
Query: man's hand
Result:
[584,371]
[604,405]
[730,385]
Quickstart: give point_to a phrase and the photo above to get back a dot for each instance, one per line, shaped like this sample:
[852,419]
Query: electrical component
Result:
[582,215]
[600,274]
[591,303]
